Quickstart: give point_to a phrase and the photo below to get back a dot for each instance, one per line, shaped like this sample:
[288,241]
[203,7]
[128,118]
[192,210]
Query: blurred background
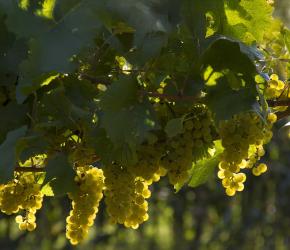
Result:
[201,218]
[283,11]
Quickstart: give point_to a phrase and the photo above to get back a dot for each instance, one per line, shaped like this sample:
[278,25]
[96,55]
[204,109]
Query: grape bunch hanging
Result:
[126,188]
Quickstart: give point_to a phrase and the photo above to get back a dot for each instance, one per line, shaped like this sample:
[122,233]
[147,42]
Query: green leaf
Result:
[227,98]
[225,101]
[147,48]
[23,23]
[244,22]
[59,111]
[8,154]
[144,16]
[56,106]
[12,52]
[98,140]
[9,121]
[204,168]
[128,125]
[125,120]
[60,175]
[30,146]
[152,22]
[47,9]
[121,94]
[125,154]
[127,128]
[223,53]
[47,190]
[81,93]
[194,14]
[53,51]
[174,127]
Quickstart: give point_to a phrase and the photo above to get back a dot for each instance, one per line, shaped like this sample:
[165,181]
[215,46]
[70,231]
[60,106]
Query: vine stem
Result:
[29,169]
[169,97]
[283,114]
[93,79]
[275,103]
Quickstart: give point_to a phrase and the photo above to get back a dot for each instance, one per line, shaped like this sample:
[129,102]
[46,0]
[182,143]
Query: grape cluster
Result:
[148,164]
[231,181]
[85,203]
[243,138]
[178,159]
[189,146]
[275,88]
[125,196]
[139,206]
[271,118]
[260,169]
[23,193]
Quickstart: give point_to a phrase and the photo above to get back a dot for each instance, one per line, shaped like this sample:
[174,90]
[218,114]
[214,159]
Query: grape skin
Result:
[190,146]
[125,196]
[243,138]
[22,194]
[85,203]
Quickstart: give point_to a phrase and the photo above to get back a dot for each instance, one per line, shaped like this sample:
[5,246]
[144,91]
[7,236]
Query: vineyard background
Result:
[201,218]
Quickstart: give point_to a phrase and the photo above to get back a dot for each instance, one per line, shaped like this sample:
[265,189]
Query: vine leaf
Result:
[47,190]
[204,168]
[121,94]
[225,102]
[244,22]
[194,13]
[60,175]
[9,112]
[224,53]
[31,145]
[226,98]
[53,51]
[12,52]
[24,24]
[126,129]
[8,153]
[125,120]
[151,22]
[174,127]
[60,111]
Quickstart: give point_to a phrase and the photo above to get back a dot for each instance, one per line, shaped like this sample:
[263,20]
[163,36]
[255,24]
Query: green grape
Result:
[243,138]
[275,88]
[22,194]
[272,118]
[139,205]
[190,146]
[148,164]
[85,203]
[260,169]
[125,196]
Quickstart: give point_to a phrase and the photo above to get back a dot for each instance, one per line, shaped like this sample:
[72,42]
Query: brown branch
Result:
[29,169]
[95,79]
[283,114]
[169,97]
[275,103]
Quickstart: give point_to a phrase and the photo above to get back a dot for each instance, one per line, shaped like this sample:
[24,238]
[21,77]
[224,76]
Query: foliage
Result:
[141,88]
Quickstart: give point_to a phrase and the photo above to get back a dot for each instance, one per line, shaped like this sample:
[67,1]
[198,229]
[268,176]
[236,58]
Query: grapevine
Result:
[110,106]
